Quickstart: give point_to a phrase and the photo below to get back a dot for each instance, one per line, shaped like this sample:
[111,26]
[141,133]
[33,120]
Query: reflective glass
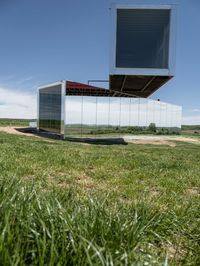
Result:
[50,109]
[73,115]
[89,115]
[102,115]
[134,114]
[102,119]
[142,38]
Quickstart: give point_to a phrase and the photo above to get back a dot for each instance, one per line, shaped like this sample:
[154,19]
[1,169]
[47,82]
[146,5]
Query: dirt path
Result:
[13,130]
[160,140]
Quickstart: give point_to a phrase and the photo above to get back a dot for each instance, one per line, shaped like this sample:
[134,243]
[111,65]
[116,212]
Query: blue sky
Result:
[42,41]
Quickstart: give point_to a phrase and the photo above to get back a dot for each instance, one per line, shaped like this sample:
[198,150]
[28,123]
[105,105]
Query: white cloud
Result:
[17,104]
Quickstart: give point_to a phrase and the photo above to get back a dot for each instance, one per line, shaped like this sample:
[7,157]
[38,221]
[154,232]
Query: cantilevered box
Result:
[142,52]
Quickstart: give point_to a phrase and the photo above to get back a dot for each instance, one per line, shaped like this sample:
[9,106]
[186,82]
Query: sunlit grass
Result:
[73,204]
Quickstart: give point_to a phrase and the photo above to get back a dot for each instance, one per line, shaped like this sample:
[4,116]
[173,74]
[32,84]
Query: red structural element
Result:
[77,85]
[80,89]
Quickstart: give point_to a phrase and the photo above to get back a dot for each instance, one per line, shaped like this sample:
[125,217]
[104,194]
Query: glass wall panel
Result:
[73,115]
[102,119]
[89,115]
[114,115]
[157,117]
[142,38]
[151,112]
[173,120]
[50,108]
[162,115]
[125,112]
[143,112]
[169,116]
[134,115]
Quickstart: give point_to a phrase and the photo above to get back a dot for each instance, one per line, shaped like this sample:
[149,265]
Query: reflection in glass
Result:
[125,112]
[101,115]
[73,115]
[114,115]
[50,109]
[157,113]
[143,113]
[134,116]
[89,114]
[151,112]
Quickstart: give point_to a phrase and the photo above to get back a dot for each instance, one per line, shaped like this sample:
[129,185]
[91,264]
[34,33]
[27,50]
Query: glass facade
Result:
[142,38]
[86,116]
[50,102]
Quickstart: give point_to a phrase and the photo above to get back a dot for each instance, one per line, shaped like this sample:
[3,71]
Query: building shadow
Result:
[98,141]
[41,133]
[88,140]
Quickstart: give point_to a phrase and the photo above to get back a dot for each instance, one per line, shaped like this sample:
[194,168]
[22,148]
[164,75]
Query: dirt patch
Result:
[160,140]
[193,191]
[13,130]
[174,253]
[63,185]
[153,142]
[153,193]
[85,181]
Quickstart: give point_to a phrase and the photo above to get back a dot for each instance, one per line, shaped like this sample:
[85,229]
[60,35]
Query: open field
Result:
[191,130]
[77,204]
[14,122]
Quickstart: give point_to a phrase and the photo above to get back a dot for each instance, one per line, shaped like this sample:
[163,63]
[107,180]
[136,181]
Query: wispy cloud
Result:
[17,104]
[18,82]
[18,96]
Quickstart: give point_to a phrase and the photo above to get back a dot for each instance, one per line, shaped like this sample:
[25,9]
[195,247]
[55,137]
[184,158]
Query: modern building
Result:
[142,59]
[71,108]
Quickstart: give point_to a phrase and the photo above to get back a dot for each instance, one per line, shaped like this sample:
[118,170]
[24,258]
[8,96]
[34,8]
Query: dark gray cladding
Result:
[142,38]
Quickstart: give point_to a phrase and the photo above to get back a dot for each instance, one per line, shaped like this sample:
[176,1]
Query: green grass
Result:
[190,130]
[105,130]
[65,203]
[15,122]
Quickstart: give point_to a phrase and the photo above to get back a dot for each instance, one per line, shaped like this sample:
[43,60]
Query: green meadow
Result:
[66,203]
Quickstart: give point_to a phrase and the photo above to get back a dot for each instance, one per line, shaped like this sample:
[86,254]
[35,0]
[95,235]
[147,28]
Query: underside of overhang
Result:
[136,86]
